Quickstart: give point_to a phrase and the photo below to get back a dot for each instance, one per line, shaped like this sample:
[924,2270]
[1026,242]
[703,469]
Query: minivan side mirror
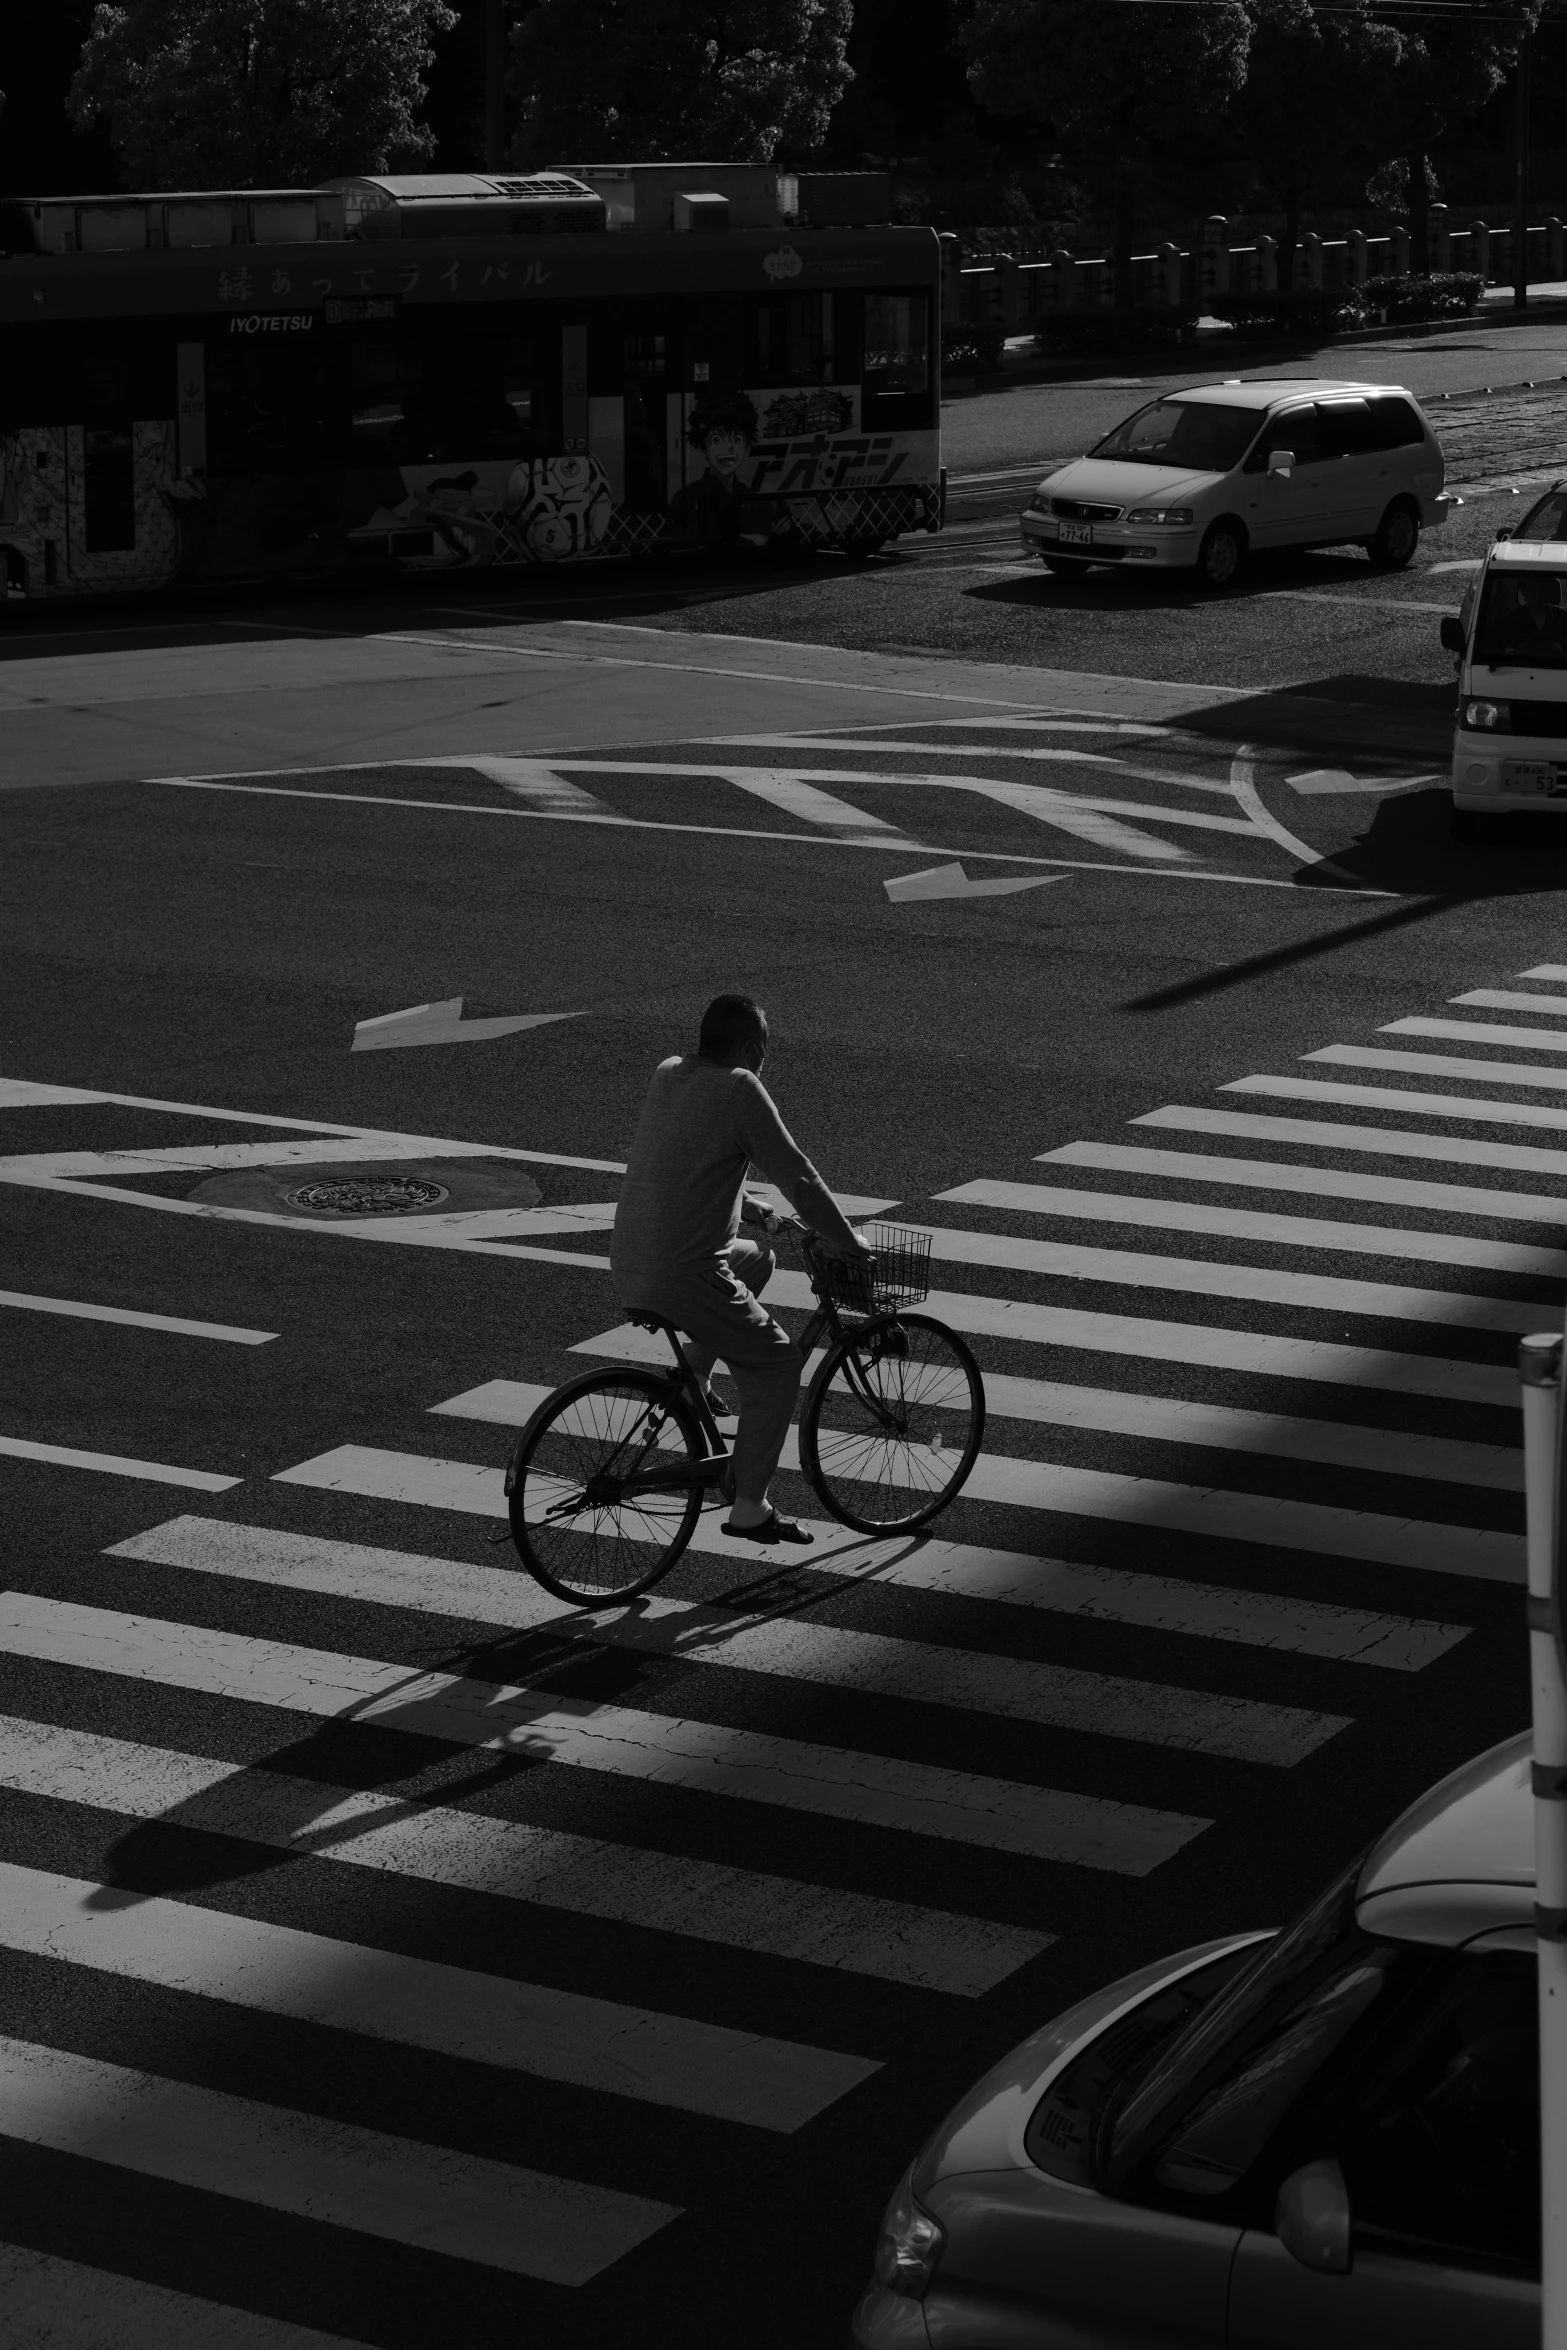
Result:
[1281,461]
[1311,2218]
[1452,634]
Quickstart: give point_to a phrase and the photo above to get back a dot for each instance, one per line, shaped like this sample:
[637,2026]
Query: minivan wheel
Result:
[1220,556]
[1396,539]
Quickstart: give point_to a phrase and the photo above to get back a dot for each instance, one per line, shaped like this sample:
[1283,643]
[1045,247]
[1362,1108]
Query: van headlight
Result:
[1488,717]
[909,2244]
[1174,514]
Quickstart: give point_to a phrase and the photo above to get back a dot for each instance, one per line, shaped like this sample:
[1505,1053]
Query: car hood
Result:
[984,2132]
[1103,480]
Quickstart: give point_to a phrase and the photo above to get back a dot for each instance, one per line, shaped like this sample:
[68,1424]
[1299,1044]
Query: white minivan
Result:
[1200,478]
[1510,739]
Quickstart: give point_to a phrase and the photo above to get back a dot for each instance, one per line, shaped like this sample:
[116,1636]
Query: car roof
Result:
[1460,1862]
[1514,554]
[1250,392]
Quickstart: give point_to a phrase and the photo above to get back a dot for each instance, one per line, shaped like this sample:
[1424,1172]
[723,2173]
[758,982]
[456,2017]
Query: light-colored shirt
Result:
[701,1128]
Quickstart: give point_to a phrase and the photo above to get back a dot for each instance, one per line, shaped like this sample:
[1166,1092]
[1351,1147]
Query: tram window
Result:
[897,342]
[261,408]
[792,339]
[459,399]
[109,487]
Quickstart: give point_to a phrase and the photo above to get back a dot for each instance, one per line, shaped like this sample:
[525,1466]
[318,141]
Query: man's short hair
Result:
[729,1020]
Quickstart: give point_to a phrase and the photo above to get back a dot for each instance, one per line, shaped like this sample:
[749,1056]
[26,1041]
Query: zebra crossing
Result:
[422,1874]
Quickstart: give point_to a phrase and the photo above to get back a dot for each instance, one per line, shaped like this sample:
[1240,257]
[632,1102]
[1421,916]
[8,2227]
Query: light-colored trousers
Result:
[719,1308]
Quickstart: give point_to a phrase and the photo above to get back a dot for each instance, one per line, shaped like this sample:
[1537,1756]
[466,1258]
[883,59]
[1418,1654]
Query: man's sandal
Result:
[773,1528]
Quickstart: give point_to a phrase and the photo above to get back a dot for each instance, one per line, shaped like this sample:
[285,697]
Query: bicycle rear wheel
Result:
[577,1531]
[892,1423]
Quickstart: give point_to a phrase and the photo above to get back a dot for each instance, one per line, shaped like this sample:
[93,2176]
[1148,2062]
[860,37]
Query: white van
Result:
[1510,740]
[1199,478]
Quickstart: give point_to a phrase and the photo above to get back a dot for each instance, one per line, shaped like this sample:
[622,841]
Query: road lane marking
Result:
[1549,1040]
[729,832]
[1127,1412]
[1227,1222]
[1367,1056]
[170,1322]
[1381,1190]
[1556,971]
[1070,758]
[1390,1097]
[64,1456]
[65,2303]
[1337,782]
[1243,784]
[1215,1513]
[1509,999]
[1325,1134]
[781,1645]
[1208,1277]
[450,2011]
[509,1860]
[869,1790]
[433,2198]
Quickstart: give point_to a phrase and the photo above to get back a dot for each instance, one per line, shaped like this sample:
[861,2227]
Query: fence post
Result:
[1355,256]
[1267,265]
[1311,250]
[1480,248]
[1064,270]
[1540,1373]
[1398,252]
[1439,242]
[1005,296]
[1553,246]
[1168,277]
[1215,255]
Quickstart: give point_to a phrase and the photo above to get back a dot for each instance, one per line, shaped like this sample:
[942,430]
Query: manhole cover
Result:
[368,1195]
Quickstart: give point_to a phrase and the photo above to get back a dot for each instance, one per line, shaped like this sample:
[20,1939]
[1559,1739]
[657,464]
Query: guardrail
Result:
[1020,294]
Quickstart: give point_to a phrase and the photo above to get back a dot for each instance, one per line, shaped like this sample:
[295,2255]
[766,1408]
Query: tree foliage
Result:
[212,92]
[724,80]
[1130,84]
[1314,96]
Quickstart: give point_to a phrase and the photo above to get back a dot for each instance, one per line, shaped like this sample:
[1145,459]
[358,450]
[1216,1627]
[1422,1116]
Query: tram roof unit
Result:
[376,206]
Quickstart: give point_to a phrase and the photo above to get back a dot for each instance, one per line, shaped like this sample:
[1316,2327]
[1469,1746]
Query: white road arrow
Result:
[442,1023]
[950,881]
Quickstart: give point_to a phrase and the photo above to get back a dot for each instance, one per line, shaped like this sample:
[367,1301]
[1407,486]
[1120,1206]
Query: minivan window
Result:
[1295,430]
[1196,435]
[1395,424]
[1324,1935]
[1523,623]
[1345,429]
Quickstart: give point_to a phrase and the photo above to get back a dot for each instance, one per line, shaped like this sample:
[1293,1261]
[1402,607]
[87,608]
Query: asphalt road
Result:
[390,1954]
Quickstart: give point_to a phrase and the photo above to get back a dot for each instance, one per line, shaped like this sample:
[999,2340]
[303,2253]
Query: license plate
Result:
[1530,775]
[1077,534]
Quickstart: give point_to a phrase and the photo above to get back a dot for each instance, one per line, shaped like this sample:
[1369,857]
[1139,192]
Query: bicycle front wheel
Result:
[582,1526]
[892,1423]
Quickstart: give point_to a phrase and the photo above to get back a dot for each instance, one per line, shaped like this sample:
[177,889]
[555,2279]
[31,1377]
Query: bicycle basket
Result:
[898,1275]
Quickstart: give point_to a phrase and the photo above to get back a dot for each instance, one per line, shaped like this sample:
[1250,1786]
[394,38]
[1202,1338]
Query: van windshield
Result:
[1197,435]
[1523,621]
[1325,1936]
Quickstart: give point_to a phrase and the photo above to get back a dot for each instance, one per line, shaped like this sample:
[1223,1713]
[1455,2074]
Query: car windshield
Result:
[1325,1937]
[1523,621]
[1199,436]
[1547,517]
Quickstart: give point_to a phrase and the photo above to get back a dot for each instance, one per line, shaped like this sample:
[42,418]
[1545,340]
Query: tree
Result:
[1444,69]
[1313,95]
[1128,82]
[247,92]
[724,80]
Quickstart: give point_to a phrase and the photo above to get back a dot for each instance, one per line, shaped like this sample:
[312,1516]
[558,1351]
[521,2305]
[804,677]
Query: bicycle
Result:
[608,1478]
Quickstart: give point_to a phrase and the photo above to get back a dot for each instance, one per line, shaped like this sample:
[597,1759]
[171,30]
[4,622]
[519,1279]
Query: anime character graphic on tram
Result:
[718,507]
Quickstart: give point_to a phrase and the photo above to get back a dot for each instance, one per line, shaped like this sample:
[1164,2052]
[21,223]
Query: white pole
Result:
[1545,1461]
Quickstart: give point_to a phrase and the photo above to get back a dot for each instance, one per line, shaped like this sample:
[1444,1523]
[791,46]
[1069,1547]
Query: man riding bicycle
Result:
[676,1249]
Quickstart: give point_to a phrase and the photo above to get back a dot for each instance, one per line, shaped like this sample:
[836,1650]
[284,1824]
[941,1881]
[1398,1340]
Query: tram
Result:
[455,371]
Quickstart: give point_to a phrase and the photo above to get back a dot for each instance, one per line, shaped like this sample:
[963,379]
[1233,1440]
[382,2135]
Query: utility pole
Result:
[1545,1490]
[1521,174]
[494,84]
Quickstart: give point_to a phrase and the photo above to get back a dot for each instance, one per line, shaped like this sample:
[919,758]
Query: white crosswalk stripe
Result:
[54,2304]
[814,1772]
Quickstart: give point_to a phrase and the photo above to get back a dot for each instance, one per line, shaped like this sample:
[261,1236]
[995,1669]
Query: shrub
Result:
[973,350]
[1403,298]
[1307,312]
[1071,333]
